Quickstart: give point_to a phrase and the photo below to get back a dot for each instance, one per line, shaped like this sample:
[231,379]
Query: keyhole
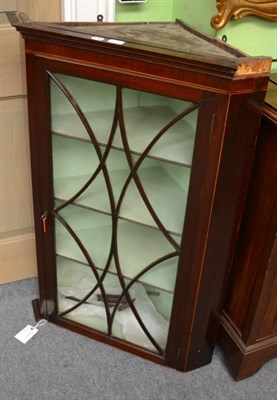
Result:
[100,18]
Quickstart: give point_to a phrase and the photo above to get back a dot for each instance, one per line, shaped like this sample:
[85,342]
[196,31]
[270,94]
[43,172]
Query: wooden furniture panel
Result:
[269,309]
[248,335]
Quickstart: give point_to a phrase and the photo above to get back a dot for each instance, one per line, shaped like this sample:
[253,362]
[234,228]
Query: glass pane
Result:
[162,277]
[155,324]
[74,282]
[131,239]
[145,115]
[92,230]
[162,300]
[165,186]
[96,101]
[74,164]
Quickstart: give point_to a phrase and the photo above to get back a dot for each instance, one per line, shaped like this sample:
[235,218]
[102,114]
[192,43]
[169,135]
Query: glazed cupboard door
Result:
[121,172]
[114,167]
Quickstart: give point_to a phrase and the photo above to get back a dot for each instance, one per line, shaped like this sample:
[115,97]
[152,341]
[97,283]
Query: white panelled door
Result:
[88,10]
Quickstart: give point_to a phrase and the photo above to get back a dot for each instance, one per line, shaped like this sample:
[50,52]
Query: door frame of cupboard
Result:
[223,153]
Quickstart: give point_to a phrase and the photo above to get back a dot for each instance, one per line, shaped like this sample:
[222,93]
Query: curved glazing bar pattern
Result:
[122,302]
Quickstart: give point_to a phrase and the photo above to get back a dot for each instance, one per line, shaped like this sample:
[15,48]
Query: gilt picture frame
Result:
[238,9]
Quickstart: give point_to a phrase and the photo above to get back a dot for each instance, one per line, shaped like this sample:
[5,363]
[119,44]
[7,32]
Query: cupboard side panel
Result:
[269,320]
[251,279]
[240,138]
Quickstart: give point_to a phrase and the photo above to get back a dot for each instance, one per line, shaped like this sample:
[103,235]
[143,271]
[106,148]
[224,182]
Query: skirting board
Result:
[17,256]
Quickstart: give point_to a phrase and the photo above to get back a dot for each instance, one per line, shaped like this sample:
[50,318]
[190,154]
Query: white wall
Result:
[87,10]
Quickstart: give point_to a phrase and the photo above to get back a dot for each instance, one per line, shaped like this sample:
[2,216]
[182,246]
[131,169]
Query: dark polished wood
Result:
[248,335]
[229,89]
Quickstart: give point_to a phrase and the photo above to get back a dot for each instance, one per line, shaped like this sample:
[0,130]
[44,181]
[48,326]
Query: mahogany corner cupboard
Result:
[142,140]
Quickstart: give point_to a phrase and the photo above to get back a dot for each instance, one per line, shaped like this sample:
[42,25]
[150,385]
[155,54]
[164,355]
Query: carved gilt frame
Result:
[237,9]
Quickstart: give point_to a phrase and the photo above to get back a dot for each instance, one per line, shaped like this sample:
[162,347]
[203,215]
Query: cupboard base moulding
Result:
[244,360]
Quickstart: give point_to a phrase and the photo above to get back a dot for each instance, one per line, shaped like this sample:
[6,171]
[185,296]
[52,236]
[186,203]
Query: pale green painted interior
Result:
[252,35]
